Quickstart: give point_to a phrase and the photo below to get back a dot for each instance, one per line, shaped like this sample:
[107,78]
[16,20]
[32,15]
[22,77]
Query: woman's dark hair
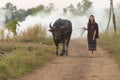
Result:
[89,22]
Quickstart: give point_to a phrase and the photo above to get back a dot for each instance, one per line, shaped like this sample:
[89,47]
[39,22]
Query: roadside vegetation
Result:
[111,43]
[21,54]
[36,34]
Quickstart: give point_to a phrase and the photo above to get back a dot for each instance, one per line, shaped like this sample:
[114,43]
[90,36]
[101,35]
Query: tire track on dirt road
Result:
[78,66]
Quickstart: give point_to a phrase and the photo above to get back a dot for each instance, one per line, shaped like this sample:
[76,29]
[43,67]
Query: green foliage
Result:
[21,14]
[12,26]
[39,8]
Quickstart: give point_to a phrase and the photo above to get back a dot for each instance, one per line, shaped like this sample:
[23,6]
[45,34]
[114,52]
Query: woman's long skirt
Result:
[92,45]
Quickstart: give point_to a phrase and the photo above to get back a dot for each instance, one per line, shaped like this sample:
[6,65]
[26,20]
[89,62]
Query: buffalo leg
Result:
[67,44]
[57,47]
[66,50]
[63,50]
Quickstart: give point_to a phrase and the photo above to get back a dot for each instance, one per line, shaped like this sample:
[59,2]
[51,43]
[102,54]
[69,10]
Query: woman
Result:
[93,34]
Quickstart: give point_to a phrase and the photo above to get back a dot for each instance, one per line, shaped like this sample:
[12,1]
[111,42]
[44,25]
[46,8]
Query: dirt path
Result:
[78,66]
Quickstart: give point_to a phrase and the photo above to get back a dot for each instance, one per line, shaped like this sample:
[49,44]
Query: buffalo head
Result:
[57,31]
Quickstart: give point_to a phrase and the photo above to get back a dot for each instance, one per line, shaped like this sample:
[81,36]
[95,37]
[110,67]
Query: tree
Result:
[20,15]
[11,9]
[64,10]
[49,8]
[29,12]
[86,5]
[71,9]
[11,12]
[37,9]
[81,8]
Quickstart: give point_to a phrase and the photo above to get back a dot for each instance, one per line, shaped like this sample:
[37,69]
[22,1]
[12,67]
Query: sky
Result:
[59,3]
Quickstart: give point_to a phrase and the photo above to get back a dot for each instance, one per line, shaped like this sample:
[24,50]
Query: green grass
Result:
[111,43]
[23,60]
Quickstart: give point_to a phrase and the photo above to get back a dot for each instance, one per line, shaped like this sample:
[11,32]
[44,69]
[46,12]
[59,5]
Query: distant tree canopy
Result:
[20,14]
[80,9]
[14,15]
[42,8]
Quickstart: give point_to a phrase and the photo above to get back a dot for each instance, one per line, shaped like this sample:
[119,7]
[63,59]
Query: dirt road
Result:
[78,66]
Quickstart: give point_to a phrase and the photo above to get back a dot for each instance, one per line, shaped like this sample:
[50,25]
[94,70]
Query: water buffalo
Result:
[61,31]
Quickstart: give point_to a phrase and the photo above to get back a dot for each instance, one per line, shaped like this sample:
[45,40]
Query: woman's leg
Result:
[91,53]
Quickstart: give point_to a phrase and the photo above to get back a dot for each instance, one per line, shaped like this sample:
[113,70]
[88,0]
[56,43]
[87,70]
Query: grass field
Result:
[25,52]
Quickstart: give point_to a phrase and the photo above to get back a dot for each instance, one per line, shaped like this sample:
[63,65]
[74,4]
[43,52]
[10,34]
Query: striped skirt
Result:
[92,45]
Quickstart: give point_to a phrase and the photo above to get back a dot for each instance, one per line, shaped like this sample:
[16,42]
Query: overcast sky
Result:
[59,3]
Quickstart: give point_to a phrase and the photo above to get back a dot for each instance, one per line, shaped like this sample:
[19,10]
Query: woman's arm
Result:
[94,34]
[97,31]
[85,28]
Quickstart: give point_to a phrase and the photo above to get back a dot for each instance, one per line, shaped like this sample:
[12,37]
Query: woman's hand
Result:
[84,28]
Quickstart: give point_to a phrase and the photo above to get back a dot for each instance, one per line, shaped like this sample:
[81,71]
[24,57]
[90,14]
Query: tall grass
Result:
[35,33]
[111,43]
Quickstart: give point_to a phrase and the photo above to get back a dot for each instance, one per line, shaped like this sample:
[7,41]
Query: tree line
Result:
[15,15]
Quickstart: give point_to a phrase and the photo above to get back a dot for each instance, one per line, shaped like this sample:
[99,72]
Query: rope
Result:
[82,30]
